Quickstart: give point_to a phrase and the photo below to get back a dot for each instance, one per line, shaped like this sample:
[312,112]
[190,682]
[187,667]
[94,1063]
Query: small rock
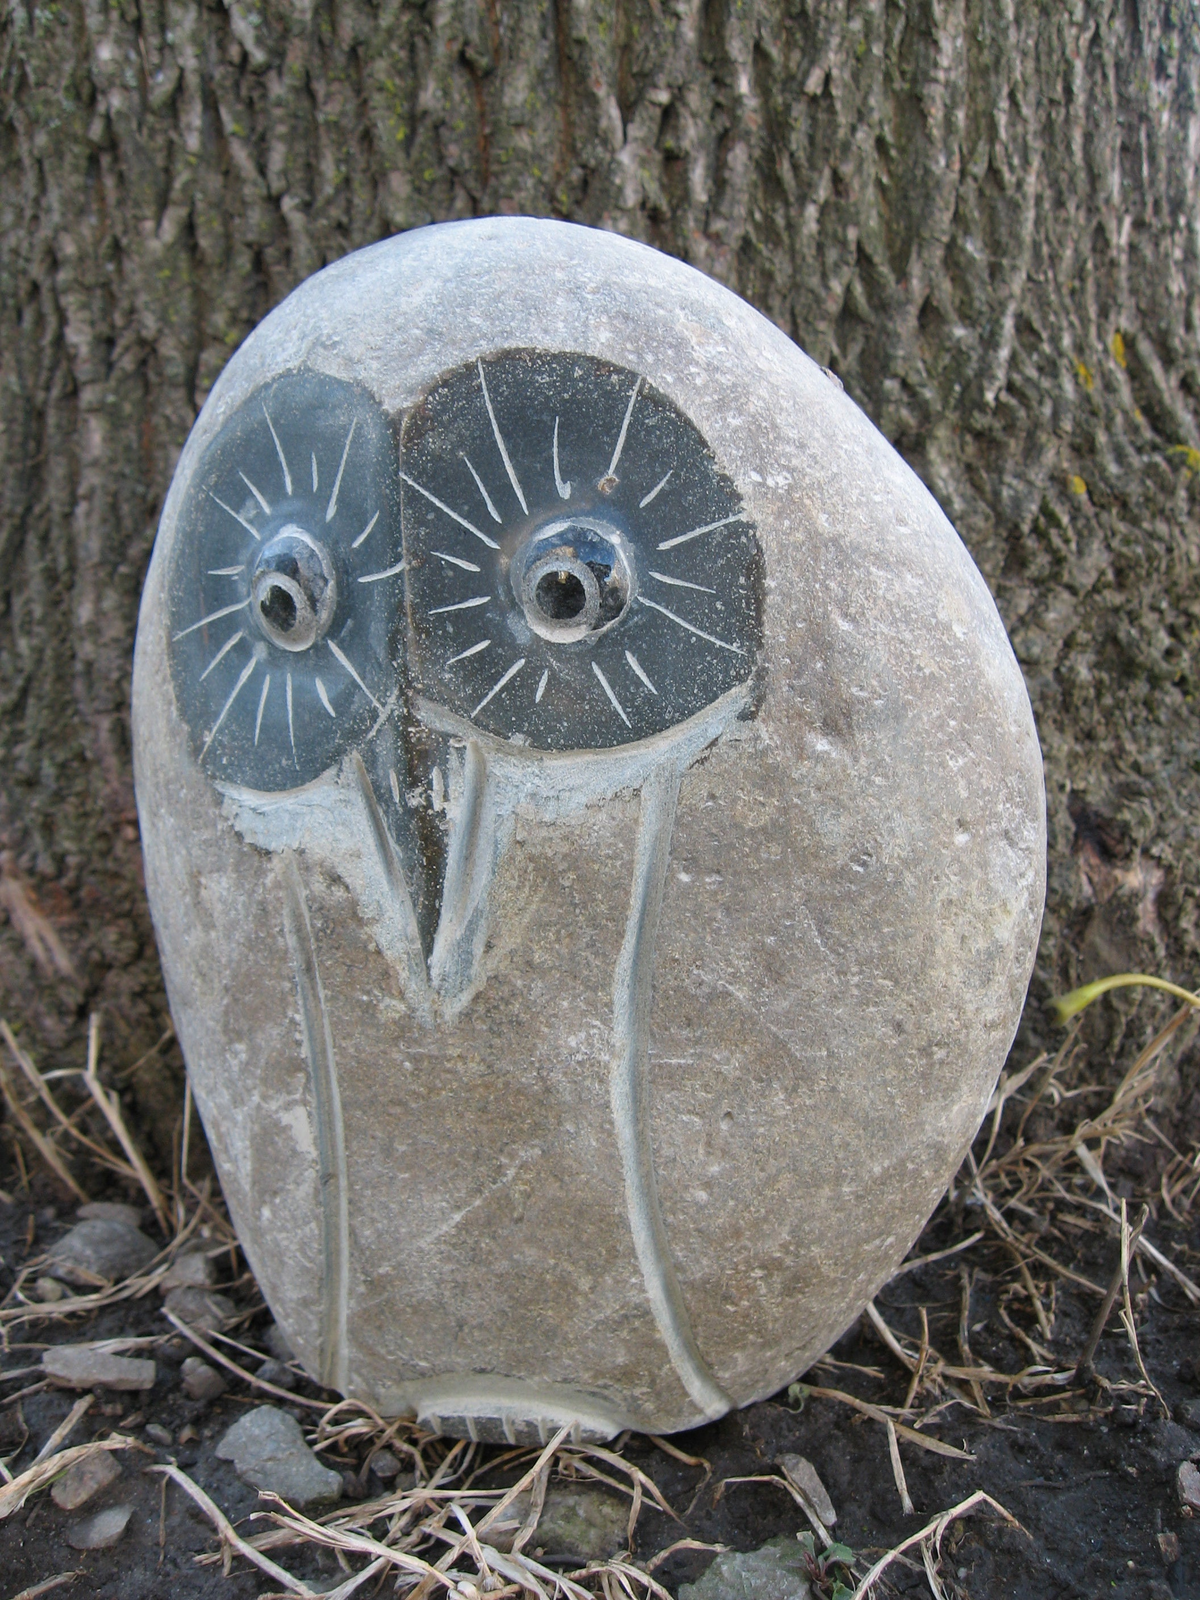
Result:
[275,1372]
[159,1434]
[200,1381]
[1168,1544]
[74,1366]
[49,1289]
[13,1432]
[99,1248]
[384,1465]
[586,1523]
[777,1571]
[100,1531]
[191,1271]
[268,1451]
[804,1475]
[1187,1482]
[202,1309]
[84,1479]
[110,1211]
[277,1344]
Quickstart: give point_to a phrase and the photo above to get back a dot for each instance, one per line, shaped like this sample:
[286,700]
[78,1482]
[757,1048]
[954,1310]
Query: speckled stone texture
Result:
[618,1109]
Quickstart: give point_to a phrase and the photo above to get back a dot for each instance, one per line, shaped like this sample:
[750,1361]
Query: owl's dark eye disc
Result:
[580,572]
[286,585]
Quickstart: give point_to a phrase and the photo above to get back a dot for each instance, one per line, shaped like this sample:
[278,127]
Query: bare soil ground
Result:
[963,1379]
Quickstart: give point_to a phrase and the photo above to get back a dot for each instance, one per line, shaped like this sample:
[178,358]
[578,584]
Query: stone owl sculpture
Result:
[594,830]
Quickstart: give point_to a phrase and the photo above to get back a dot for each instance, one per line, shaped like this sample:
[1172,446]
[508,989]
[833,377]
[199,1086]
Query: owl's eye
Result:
[286,584]
[581,573]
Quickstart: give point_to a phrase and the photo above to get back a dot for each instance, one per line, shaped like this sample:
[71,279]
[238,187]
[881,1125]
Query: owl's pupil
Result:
[560,596]
[279,609]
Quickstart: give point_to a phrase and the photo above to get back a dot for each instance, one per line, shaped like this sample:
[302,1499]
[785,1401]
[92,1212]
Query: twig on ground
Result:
[932,1531]
[110,1105]
[230,1538]
[14,1495]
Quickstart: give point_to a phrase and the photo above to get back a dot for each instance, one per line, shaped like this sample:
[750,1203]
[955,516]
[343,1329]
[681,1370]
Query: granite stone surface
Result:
[594,828]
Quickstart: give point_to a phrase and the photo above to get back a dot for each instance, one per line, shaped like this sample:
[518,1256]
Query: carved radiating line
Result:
[291,724]
[455,561]
[225,572]
[640,670]
[262,706]
[324,697]
[471,650]
[564,489]
[620,445]
[221,653]
[365,531]
[608,689]
[375,577]
[313,453]
[332,1187]
[225,709]
[487,499]
[213,616]
[349,666]
[461,605]
[442,506]
[236,515]
[656,491]
[508,466]
[255,492]
[541,688]
[499,684]
[676,583]
[629,1094]
[287,476]
[699,632]
[331,508]
[694,533]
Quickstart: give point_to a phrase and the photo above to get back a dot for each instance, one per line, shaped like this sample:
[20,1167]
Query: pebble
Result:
[110,1211]
[1187,1482]
[277,1344]
[49,1289]
[99,1247]
[100,1531]
[159,1434]
[275,1372]
[587,1524]
[75,1366]
[84,1479]
[804,1475]
[776,1571]
[384,1465]
[202,1309]
[191,1271]
[200,1381]
[268,1451]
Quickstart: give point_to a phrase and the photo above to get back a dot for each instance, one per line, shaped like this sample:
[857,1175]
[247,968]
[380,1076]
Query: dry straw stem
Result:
[110,1105]
[14,1495]
[931,1532]
[47,1585]
[229,1536]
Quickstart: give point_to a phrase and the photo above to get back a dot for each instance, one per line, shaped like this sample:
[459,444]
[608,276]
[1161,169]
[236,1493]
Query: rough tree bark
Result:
[981,213]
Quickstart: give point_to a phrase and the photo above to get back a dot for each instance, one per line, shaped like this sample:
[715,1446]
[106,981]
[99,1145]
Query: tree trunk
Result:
[981,214]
